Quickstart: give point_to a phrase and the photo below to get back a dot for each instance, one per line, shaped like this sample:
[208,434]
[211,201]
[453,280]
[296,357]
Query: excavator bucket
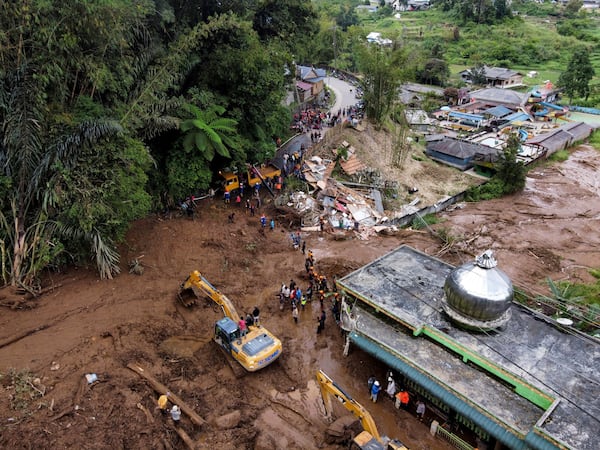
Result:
[187,296]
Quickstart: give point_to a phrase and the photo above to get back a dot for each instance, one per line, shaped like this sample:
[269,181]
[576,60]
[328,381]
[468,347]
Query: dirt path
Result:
[92,326]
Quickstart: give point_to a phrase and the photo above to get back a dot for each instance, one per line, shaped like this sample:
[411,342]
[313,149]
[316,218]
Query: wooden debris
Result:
[149,418]
[162,389]
[185,438]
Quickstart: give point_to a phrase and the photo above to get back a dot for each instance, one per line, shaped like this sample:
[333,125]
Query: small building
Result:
[560,138]
[530,383]
[495,77]
[497,112]
[304,91]
[418,119]
[495,96]
[312,76]
[457,153]
[375,38]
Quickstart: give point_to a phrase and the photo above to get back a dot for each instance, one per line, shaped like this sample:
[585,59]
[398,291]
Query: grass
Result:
[560,156]
[420,222]
[595,140]
[524,43]
[22,389]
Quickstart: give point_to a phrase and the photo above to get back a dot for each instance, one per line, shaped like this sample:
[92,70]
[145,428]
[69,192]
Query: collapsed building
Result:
[515,378]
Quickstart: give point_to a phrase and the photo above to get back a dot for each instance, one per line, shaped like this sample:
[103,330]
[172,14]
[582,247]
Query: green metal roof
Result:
[532,440]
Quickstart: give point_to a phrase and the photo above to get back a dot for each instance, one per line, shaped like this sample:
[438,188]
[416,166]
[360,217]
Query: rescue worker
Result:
[175,413]
[162,403]
[391,388]
[375,391]
[402,399]
[256,316]
[243,329]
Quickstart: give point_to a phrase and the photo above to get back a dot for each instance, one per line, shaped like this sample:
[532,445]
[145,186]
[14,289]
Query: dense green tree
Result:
[509,170]
[477,75]
[382,78]
[291,20]
[208,132]
[37,157]
[435,71]
[576,79]
[573,7]
[346,17]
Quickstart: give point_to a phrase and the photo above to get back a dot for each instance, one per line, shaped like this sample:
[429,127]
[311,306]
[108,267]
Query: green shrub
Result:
[492,189]
[560,156]
[420,222]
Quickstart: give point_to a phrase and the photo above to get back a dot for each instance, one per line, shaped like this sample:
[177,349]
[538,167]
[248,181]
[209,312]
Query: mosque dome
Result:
[478,294]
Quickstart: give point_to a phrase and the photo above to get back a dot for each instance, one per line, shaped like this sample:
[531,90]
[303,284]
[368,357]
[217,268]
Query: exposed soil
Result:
[92,326]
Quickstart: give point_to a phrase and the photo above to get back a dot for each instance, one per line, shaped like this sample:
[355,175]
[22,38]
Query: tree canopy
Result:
[575,80]
[108,108]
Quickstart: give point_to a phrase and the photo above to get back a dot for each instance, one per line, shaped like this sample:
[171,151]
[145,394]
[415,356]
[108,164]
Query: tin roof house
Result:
[496,77]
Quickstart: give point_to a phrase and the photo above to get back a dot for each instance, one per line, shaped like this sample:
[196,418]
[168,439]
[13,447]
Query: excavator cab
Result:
[226,332]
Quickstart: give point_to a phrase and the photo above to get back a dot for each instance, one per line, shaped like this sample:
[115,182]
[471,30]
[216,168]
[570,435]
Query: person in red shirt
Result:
[243,328]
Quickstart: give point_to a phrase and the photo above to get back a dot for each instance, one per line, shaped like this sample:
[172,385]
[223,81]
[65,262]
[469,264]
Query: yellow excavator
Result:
[369,439]
[254,350]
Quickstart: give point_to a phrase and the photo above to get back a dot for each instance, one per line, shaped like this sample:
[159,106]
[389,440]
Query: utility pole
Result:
[334,48]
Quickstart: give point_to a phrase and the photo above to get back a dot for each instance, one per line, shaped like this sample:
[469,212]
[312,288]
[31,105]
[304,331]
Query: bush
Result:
[559,156]
[492,189]
[420,222]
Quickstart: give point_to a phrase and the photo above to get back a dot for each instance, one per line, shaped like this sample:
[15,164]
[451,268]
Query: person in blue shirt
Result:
[375,391]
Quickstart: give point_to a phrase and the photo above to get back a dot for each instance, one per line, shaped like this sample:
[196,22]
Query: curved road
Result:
[344,97]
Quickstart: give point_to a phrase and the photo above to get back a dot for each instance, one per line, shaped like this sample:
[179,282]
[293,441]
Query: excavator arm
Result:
[200,286]
[330,389]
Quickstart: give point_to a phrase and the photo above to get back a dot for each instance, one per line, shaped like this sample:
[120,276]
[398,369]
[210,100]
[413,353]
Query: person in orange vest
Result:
[402,399]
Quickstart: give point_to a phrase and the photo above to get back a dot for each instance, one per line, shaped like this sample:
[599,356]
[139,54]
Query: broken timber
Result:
[162,389]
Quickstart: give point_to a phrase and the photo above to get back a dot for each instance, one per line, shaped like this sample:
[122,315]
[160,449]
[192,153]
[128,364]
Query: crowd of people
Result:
[292,297]
[400,397]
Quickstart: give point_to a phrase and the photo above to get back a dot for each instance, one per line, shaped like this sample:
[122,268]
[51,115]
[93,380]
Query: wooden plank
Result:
[162,389]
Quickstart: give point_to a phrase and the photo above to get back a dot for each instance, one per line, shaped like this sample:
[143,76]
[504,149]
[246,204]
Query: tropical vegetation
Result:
[111,109]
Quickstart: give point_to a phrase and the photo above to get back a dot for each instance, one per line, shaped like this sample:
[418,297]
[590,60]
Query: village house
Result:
[455,152]
[310,82]
[496,77]
[560,138]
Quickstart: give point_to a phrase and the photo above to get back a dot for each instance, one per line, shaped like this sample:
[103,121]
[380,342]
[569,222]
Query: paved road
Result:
[344,97]
[344,93]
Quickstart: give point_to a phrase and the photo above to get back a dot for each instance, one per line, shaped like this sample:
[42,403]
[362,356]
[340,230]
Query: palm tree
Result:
[28,160]
[208,132]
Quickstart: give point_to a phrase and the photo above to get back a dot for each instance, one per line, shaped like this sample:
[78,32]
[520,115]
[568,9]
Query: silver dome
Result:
[478,294]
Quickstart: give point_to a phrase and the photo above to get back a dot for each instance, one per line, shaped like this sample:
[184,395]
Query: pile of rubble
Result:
[340,206]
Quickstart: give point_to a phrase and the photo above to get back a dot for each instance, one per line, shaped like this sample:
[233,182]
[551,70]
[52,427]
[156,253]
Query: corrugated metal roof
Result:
[352,165]
[518,117]
[498,111]
[459,405]
[459,149]
[304,86]
[474,117]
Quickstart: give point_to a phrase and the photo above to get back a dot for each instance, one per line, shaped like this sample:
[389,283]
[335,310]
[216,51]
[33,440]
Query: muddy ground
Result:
[91,326]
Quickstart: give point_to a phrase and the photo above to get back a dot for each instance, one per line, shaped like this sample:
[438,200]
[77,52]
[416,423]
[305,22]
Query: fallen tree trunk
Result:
[162,389]
[185,438]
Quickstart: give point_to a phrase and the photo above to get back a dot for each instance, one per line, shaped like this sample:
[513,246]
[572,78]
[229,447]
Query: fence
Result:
[452,439]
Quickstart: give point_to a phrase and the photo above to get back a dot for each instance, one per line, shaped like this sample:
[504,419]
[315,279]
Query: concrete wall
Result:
[432,209]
